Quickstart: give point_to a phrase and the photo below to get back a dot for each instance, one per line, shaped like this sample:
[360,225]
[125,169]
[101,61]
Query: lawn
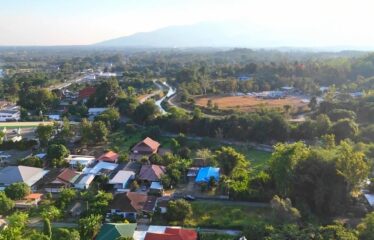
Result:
[222,215]
[258,158]
[12,125]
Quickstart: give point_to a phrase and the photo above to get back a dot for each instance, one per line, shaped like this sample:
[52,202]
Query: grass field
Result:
[257,158]
[248,103]
[11,125]
[223,215]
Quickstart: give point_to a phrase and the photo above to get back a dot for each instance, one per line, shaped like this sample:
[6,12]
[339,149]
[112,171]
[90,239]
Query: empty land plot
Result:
[249,103]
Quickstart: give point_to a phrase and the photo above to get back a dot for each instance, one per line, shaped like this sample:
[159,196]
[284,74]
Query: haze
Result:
[70,22]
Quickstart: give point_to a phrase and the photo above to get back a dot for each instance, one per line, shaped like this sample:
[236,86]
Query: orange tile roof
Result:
[33,196]
[109,157]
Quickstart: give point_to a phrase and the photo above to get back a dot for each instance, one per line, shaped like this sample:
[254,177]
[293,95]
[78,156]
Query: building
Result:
[206,173]
[132,204]
[114,231]
[121,180]
[28,175]
[101,168]
[172,233]
[84,181]
[156,188]
[109,156]
[93,112]
[146,148]
[151,173]
[10,115]
[85,93]
[31,200]
[82,160]
[65,179]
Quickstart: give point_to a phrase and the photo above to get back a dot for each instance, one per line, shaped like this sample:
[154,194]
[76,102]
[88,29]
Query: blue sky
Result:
[69,22]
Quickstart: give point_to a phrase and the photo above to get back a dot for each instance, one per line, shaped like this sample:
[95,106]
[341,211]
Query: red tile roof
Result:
[67,175]
[33,196]
[173,234]
[147,145]
[109,157]
[86,92]
[133,202]
[151,173]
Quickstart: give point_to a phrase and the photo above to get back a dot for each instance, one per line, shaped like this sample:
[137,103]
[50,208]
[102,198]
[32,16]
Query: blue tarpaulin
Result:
[206,173]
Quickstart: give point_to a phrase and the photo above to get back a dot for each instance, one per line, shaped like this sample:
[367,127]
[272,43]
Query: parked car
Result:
[189,198]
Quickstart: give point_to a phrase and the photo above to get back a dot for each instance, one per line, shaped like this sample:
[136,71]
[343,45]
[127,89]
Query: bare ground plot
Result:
[249,103]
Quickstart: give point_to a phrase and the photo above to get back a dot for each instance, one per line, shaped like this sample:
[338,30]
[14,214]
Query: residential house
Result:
[10,115]
[85,93]
[101,168]
[109,156]
[84,181]
[114,231]
[31,200]
[172,233]
[65,179]
[80,160]
[145,148]
[121,180]
[206,173]
[131,204]
[28,175]
[151,173]
[156,188]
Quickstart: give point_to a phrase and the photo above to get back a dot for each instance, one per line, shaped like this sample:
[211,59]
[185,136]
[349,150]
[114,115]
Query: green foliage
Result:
[106,94]
[146,112]
[44,133]
[178,210]
[228,159]
[283,161]
[50,212]
[31,162]
[344,128]
[366,227]
[283,210]
[47,229]
[93,133]
[216,236]
[337,232]
[17,191]
[110,117]
[65,234]
[6,204]
[37,99]
[89,226]
[56,154]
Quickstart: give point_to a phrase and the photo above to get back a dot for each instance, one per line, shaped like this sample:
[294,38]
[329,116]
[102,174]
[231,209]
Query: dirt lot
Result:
[249,103]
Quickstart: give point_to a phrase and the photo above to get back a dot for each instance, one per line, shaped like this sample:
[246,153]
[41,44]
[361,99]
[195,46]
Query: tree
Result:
[99,132]
[32,161]
[352,166]
[313,103]
[44,133]
[337,232]
[106,94]
[50,212]
[228,159]
[178,210]
[6,204]
[110,117]
[47,229]
[66,196]
[65,234]
[56,154]
[35,235]
[66,131]
[17,190]
[344,128]
[283,161]
[89,226]
[146,111]
[283,210]
[366,227]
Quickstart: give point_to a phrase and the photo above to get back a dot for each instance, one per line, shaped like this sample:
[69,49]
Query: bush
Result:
[17,191]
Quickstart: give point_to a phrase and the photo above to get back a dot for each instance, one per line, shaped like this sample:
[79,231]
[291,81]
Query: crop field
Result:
[249,103]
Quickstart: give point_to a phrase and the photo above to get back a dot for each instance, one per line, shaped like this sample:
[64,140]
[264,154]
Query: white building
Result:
[121,180]
[84,181]
[82,160]
[10,115]
[100,168]
[93,112]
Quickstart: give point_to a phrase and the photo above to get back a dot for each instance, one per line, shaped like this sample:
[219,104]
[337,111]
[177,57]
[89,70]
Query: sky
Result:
[81,22]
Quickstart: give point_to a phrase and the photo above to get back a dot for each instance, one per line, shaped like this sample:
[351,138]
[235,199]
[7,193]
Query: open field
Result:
[248,103]
[23,124]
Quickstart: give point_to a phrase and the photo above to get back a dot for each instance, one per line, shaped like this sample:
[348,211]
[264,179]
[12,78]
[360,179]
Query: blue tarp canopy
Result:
[206,173]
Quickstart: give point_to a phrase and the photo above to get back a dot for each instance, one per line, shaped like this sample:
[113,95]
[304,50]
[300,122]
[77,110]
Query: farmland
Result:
[249,103]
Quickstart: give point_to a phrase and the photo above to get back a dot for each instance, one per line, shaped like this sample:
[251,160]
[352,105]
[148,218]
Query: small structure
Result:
[151,173]
[82,160]
[113,231]
[65,179]
[156,188]
[131,204]
[84,181]
[109,156]
[101,168]
[29,201]
[121,180]
[206,173]
[93,112]
[145,148]
[28,175]
[172,233]
[10,115]
[85,93]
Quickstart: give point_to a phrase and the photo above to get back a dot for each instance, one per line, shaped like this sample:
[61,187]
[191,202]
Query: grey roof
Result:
[28,175]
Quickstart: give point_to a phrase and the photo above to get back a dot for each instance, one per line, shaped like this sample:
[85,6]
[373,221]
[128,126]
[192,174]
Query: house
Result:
[109,156]
[28,175]
[10,115]
[82,160]
[156,188]
[65,179]
[121,179]
[206,173]
[84,181]
[146,148]
[93,112]
[151,173]
[172,233]
[100,168]
[131,204]
[85,93]
[31,200]
[114,231]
